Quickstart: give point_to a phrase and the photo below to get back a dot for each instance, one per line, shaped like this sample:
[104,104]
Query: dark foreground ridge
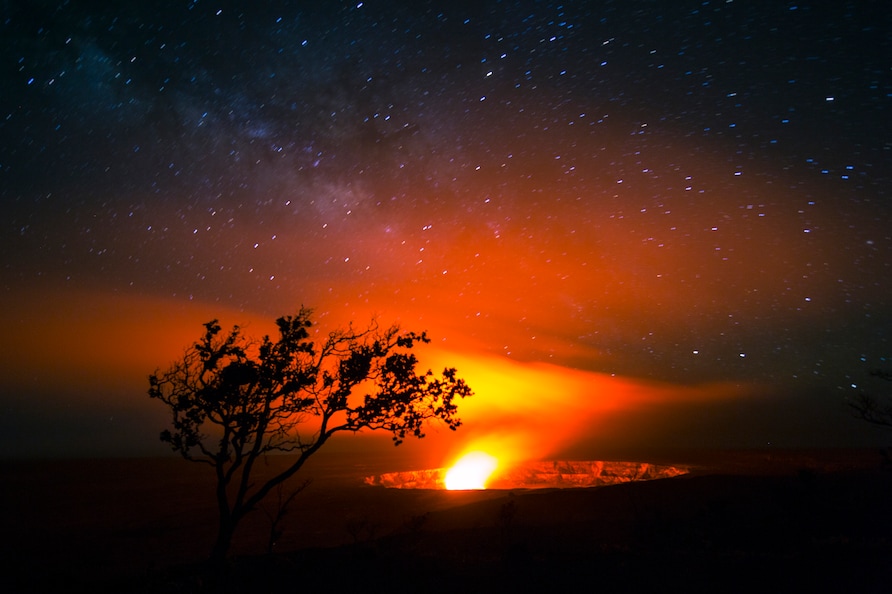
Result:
[797,528]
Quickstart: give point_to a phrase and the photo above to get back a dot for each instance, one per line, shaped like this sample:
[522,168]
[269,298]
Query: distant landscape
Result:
[739,521]
[655,234]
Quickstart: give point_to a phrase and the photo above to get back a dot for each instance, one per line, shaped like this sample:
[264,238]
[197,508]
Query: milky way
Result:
[684,193]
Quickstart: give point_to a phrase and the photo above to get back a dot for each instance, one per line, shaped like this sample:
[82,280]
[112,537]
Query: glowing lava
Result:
[470,472]
[475,471]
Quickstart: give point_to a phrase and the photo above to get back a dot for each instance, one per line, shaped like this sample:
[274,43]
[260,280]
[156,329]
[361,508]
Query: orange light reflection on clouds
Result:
[530,411]
[105,345]
[91,339]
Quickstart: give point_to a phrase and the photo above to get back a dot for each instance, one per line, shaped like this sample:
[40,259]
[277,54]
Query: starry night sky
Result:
[668,220]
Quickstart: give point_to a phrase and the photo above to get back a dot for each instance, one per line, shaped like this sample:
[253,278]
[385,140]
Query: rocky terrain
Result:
[756,521]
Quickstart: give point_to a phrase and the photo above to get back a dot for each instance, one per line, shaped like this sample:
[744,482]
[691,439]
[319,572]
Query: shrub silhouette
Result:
[874,409]
[234,400]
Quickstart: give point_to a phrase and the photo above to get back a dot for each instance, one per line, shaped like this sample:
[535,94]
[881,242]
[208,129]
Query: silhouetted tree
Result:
[874,409]
[235,400]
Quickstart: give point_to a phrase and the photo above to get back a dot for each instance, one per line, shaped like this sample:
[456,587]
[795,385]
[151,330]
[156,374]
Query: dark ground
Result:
[740,522]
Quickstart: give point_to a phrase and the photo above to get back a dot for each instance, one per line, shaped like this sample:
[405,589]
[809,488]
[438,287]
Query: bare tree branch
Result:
[871,408]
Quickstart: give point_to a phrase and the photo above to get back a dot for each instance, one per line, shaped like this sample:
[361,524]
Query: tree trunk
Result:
[225,532]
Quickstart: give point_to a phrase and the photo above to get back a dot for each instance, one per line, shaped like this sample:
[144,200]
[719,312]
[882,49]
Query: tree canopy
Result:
[234,400]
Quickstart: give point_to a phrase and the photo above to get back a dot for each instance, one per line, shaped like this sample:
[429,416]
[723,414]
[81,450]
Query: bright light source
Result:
[470,472]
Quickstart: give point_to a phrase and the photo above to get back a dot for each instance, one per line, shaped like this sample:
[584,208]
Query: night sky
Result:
[628,224]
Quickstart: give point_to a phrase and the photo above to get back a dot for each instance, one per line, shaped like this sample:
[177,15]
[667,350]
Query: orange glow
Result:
[92,338]
[529,411]
[471,472]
